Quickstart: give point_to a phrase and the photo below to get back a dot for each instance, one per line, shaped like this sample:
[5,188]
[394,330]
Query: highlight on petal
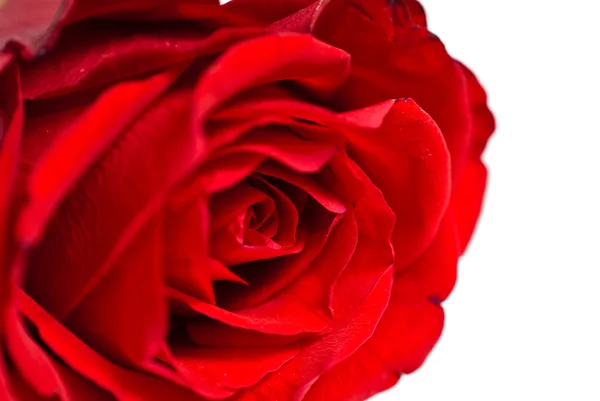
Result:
[301,58]
[30,24]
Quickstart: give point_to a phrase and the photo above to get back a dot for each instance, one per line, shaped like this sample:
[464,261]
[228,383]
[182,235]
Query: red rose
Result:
[245,202]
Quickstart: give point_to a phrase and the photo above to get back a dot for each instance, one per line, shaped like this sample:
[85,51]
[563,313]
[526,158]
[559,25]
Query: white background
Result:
[523,322]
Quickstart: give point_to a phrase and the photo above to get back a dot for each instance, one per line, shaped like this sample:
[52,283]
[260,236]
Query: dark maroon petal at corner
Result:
[29,25]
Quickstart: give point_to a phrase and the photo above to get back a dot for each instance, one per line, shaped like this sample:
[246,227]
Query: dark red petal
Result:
[218,335]
[230,203]
[198,10]
[11,125]
[267,11]
[236,243]
[189,266]
[124,383]
[98,53]
[279,144]
[314,287]
[81,243]
[273,275]
[229,248]
[225,171]
[308,184]
[417,12]
[125,316]
[272,318]
[30,24]
[360,294]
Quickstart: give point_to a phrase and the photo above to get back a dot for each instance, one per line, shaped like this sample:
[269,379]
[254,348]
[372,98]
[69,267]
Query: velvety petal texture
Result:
[264,200]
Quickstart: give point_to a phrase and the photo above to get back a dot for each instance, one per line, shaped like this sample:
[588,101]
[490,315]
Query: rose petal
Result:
[55,173]
[278,143]
[227,204]
[81,244]
[411,146]
[401,342]
[320,194]
[30,360]
[11,124]
[393,59]
[123,383]
[417,12]
[157,10]
[125,316]
[230,369]
[294,378]
[189,265]
[271,276]
[231,250]
[267,11]
[273,58]
[213,334]
[79,387]
[468,191]
[236,244]
[271,318]
[97,53]
[467,199]
[368,277]
[408,330]
[223,172]
[45,375]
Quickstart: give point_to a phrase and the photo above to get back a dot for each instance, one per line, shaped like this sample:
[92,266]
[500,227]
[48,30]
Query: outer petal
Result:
[469,189]
[407,331]
[391,58]
[408,161]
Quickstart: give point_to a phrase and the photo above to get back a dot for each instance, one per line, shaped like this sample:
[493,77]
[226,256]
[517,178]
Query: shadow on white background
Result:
[523,322]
